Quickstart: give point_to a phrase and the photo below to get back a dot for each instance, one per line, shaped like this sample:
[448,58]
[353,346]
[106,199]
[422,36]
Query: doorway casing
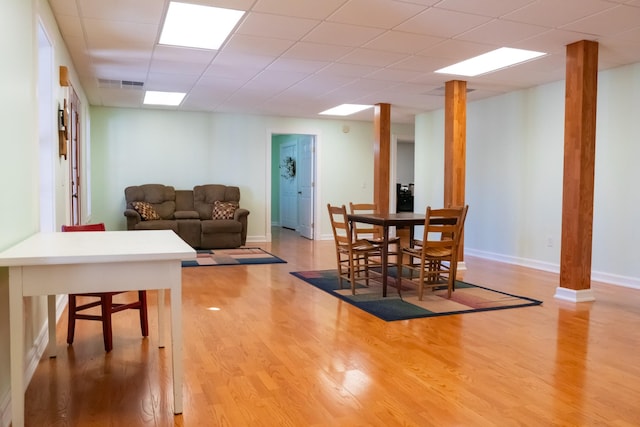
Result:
[315,188]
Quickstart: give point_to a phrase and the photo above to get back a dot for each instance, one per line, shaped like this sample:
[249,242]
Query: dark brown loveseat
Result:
[190,213]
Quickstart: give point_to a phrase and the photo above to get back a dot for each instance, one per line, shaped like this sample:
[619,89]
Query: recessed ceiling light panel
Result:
[163,98]
[491,61]
[196,26]
[345,109]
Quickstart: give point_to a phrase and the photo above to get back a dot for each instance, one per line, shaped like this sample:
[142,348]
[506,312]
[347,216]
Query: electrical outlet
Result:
[549,241]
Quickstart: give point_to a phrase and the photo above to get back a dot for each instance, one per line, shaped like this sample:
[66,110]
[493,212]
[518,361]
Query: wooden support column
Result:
[382,156]
[579,163]
[455,146]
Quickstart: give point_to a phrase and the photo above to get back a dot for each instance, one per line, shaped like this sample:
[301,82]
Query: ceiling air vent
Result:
[119,84]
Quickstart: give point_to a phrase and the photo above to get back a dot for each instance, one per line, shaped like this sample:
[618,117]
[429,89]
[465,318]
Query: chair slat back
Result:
[85,227]
[361,230]
[340,224]
[443,227]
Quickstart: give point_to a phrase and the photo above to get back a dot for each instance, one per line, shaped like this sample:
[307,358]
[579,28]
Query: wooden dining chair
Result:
[356,258]
[104,301]
[373,233]
[434,259]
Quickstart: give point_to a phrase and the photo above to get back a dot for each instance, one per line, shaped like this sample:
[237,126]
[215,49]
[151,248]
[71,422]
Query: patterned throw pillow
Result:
[146,211]
[223,210]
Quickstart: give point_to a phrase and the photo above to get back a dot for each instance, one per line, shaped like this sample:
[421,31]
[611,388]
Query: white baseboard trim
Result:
[598,276]
[5,409]
[258,239]
[573,295]
[32,359]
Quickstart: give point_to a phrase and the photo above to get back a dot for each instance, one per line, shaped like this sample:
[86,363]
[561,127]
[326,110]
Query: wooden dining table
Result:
[386,221]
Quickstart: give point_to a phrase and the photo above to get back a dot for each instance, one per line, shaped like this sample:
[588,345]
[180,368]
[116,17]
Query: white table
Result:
[63,263]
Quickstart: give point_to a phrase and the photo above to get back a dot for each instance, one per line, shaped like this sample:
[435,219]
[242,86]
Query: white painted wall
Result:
[515,148]
[20,160]
[133,147]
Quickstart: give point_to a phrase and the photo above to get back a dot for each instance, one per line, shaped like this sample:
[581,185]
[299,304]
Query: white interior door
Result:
[288,187]
[306,145]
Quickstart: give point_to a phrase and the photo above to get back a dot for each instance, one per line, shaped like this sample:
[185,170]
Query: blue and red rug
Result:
[467,298]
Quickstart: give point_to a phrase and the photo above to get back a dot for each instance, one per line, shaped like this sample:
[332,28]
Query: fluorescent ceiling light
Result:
[163,98]
[345,109]
[490,61]
[192,25]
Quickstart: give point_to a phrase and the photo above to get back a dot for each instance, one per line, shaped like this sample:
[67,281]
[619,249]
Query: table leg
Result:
[385,259]
[161,318]
[52,348]
[16,332]
[176,346]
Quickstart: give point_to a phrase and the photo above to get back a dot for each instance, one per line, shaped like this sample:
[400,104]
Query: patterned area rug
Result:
[238,256]
[467,298]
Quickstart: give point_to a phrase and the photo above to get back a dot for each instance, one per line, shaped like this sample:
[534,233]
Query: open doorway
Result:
[402,174]
[292,183]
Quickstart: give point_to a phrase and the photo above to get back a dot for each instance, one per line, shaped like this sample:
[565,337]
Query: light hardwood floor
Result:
[279,352]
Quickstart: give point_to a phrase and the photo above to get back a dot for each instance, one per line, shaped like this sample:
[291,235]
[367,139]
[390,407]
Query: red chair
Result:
[105,301]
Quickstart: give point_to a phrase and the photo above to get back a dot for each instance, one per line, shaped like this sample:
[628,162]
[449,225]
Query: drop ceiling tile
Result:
[442,23]
[552,41]
[277,26]
[227,4]
[420,64]
[131,70]
[121,97]
[612,21]
[120,36]
[554,13]
[394,75]
[348,70]
[297,65]
[170,82]
[614,51]
[254,45]
[178,67]
[242,66]
[354,92]
[457,50]
[64,7]
[501,32]
[70,26]
[315,51]
[399,41]
[218,84]
[140,11]
[492,8]
[312,9]
[372,57]
[174,53]
[376,13]
[342,34]
[317,85]
[277,79]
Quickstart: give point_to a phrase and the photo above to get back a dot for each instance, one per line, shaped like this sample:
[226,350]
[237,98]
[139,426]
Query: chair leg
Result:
[450,284]
[144,321]
[107,304]
[71,327]
[352,275]
[339,258]
[399,275]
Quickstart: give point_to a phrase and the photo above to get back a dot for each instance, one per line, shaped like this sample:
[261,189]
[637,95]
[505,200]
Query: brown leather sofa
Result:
[189,213]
